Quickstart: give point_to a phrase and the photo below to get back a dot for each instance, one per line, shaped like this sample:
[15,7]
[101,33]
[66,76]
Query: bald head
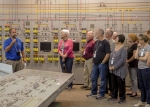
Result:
[114,35]
[100,31]
[108,34]
[108,29]
[90,35]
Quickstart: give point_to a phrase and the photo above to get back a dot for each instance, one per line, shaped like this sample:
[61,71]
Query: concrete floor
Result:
[77,98]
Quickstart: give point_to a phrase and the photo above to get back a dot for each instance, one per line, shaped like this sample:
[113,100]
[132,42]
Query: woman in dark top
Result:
[132,63]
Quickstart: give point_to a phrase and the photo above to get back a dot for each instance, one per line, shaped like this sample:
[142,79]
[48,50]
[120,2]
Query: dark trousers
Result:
[144,84]
[68,63]
[118,83]
[108,81]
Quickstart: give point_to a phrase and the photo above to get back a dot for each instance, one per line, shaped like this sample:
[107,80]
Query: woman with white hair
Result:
[65,50]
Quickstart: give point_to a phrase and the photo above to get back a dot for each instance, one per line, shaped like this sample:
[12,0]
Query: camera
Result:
[18,53]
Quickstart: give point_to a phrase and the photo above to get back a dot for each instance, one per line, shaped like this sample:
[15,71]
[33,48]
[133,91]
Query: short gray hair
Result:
[101,31]
[110,32]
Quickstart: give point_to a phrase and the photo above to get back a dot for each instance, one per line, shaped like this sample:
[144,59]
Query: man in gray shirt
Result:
[108,36]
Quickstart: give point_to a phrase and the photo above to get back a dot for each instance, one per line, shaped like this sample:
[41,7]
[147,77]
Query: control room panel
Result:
[39,23]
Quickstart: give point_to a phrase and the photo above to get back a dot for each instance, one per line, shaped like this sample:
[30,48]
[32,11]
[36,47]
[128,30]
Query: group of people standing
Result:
[109,59]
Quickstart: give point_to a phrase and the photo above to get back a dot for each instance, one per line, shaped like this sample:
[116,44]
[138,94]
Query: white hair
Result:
[66,31]
[92,33]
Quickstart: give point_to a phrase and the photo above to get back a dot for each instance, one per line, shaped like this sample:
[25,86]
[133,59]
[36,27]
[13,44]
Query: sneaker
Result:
[129,94]
[84,86]
[91,94]
[99,97]
[140,104]
[121,101]
[111,99]
[147,105]
[109,94]
[69,88]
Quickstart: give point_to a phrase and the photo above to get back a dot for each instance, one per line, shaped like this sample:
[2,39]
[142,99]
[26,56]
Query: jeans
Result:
[68,63]
[144,84]
[99,70]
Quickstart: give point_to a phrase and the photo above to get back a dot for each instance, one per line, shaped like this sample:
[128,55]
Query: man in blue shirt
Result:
[14,50]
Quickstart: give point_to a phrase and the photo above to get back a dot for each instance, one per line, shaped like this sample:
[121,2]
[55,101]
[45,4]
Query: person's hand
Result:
[13,41]
[63,59]
[127,61]
[64,56]
[148,62]
[139,45]
[61,54]
[112,68]
[24,60]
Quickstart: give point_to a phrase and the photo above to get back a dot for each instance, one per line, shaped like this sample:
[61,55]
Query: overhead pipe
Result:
[87,19]
[68,14]
[80,24]
[97,3]
[94,15]
[17,9]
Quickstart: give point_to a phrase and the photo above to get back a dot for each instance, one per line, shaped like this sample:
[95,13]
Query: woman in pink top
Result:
[65,50]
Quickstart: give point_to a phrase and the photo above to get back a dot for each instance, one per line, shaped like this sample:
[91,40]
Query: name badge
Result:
[84,53]
[20,54]
[112,61]
[94,54]
[142,53]
[62,51]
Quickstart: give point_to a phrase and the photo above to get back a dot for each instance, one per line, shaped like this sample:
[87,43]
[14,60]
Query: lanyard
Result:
[98,45]
[62,47]
[113,58]
[16,46]
[113,54]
